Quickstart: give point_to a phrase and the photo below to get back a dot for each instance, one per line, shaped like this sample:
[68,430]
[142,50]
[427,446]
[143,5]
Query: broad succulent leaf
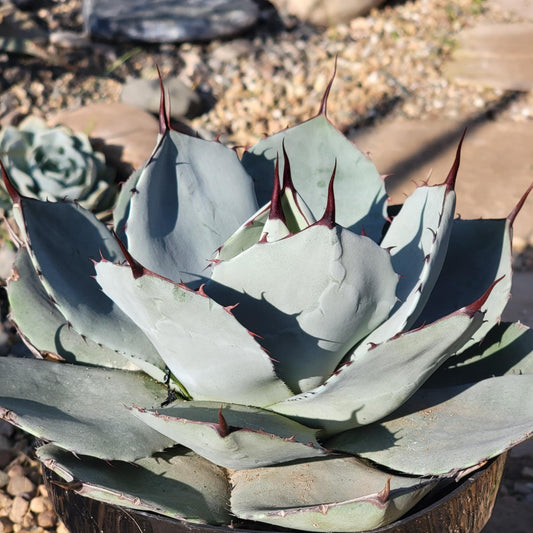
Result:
[61,249]
[49,401]
[175,483]
[333,494]
[442,431]
[46,329]
[354,397]
[308,327]
[313,147]
[184,206]
[482,247]
[234,436]
[301,355]
[507,349]
[417,239]
[211,354]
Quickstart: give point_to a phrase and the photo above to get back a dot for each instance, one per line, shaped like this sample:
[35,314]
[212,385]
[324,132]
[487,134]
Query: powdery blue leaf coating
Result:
[312,148]
[209,352]
[176,483]
[441,431]
[332,494]
[188,199]
[80,408]
[234,436]
[310,297]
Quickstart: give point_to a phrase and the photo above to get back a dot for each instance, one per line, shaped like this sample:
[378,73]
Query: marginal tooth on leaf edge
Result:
[223,428]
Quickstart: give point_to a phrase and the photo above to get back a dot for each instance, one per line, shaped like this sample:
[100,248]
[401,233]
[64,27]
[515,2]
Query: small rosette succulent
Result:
[54,163]
[256,340]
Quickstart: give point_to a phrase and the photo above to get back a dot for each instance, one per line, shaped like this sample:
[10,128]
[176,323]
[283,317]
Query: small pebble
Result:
[20,485]
[40,504]
[46,519]
[18,510]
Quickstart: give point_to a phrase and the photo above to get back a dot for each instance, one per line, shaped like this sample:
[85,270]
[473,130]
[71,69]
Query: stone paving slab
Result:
[126,134]
[522,8]
[520,306]
[496,164]
[494,55]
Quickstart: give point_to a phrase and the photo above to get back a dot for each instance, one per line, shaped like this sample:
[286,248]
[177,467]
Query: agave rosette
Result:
[307,363]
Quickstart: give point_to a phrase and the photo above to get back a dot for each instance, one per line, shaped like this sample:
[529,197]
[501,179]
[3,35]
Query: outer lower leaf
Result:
[313,148]
[190,197]
[46,328]
[418,239]
[308,326]
[234,436]
[81,408]
[382,379]
[507,349]
[208,351]
[440,431]
[478,254]
[62,239]
[331,494]
[176,483]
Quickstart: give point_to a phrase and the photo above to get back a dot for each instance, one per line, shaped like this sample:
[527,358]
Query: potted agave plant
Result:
[254,344]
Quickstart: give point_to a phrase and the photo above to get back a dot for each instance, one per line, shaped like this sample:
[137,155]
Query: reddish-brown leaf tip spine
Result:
[514,213]
[136,268]
[164,119]
[324,103]
[474,307]
[287,175]
[15,195]
[452,175]
[328,218]
[276,210]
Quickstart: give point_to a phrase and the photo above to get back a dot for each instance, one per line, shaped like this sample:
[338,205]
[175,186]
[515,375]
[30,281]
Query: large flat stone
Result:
[494,55]
[496,164]
[162,21]
[520,306]
[126,134]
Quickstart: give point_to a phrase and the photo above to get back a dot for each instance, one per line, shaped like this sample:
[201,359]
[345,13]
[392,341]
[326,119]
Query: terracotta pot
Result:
[464,508]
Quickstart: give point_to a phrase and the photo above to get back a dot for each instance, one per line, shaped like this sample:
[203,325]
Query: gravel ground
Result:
[389,64]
